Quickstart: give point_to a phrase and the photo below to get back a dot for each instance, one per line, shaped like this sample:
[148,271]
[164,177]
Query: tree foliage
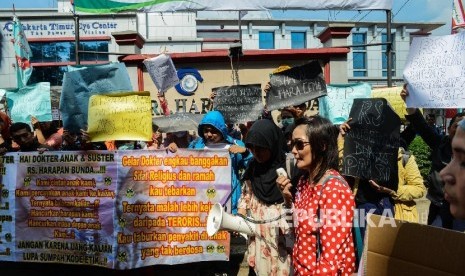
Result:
[422,154]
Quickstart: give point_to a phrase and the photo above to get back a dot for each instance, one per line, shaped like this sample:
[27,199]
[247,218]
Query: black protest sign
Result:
[182,121]
[295,86]
[372,143]
[239,103]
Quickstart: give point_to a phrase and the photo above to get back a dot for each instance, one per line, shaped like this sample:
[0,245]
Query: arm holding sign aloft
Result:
[210,101]
[163,103]
[266,114]
[267,88]
[343,129]
[404,94]
[419,123]
[36,125]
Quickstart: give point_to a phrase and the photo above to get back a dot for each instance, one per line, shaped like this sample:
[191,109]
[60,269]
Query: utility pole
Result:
[389,48]
[76,33]
[240,27]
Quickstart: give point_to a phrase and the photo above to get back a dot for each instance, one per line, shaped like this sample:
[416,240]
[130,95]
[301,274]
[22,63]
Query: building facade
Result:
[202,41]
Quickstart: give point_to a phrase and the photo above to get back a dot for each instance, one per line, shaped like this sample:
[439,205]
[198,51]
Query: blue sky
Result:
[404,10]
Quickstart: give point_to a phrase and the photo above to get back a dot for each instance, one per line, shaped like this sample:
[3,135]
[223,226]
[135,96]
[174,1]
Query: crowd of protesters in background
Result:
[307,148]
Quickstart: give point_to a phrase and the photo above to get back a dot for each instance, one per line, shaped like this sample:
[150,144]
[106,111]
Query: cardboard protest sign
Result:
[79,85]
[120,117]
[336,105]
[435,71]
[371,146]
[394,247]
[162,71]
[239,103]
[182,121]
[296,85]
[30,100]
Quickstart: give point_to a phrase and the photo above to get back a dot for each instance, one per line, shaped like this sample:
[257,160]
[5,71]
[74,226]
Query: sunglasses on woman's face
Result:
[298,144]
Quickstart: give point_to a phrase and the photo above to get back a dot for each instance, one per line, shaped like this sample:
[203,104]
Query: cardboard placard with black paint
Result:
[239,103]
[295,86]
[372,143]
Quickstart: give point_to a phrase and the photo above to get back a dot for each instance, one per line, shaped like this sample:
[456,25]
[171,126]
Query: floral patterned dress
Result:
[336,205]
[267,253]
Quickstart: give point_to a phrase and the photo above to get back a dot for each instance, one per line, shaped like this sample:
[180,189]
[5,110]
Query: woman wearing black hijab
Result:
[262,200]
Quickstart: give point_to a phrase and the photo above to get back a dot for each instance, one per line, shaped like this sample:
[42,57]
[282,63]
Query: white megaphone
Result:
[219,219]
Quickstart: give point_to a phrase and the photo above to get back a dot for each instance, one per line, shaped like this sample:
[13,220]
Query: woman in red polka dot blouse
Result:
[323,204]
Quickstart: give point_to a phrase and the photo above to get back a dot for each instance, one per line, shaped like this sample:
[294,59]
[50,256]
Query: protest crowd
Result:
[305,183]
[312,151]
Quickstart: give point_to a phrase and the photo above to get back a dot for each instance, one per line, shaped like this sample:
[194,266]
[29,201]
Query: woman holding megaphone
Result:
[322,204]
[262,201]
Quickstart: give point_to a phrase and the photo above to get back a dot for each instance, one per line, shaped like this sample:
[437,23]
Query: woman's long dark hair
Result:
[322,135]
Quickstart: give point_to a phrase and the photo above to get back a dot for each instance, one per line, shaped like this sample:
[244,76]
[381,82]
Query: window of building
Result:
[384,55]
[298,40]
[52,74]
[266,40]
[359,54]
[58,54]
